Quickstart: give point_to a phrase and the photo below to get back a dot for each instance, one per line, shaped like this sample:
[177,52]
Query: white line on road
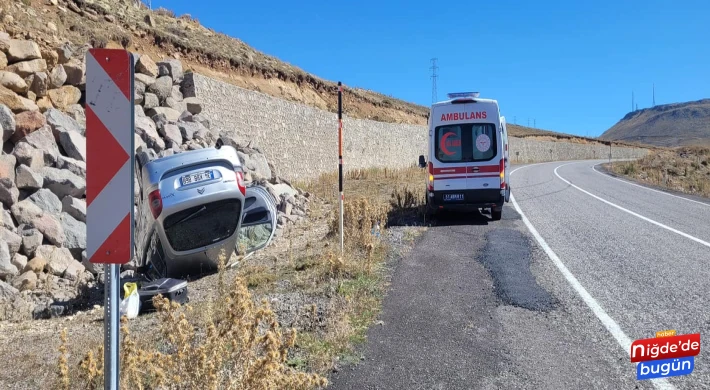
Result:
[608,322]
[594,167]
[637,215]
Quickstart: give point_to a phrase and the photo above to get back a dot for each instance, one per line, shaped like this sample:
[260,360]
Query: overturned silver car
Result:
[194,205]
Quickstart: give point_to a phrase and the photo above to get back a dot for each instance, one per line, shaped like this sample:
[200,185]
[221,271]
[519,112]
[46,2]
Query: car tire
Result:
[496,215]
[155,258]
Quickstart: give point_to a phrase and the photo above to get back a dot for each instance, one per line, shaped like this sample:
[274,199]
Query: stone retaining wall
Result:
[302,141]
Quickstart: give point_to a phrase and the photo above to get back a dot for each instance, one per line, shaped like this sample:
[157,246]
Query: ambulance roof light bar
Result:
[458,95]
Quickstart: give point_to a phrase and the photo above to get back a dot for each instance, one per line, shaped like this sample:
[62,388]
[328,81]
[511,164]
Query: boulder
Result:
[74,166]
[25,212]
[21,50]
[27,179]
[58,259]
[27,68]
[171,133]
[44,104]
[176,94]
[173,68]
[75,207]
[145,127]
[40,83]
[43,139]
[63,182]
[256,163]
[74,144]
[194,105]
[3,60]
[31,239]
[150,100]
[57,77]
[13,82]
[65,96]
[76,111]
[186,117]
[6,220]
[61,122]
[51,228]
[143,79]
[47,201]
[6,267]
[188,130]
[187,86]
[25,282]
[75,70]
[9,194]
[27,122]
[7,167]
[19,261]
[170,114]
[74,271]
[15,102]
[65,53]
[51,57]
[162,87]
[7,122]
[13,240]
[29,155]
[175,104]
[36,265]
[146,66]
[75,234]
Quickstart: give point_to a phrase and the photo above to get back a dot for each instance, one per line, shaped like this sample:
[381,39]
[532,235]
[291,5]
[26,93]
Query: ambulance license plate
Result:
[452,197]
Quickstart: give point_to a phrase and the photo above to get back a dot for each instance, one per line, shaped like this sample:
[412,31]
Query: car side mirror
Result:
[422,162]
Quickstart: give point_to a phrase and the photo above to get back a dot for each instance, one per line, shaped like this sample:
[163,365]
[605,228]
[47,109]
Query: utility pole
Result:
[534,124]
[654,95]
[433,68]
[632,101]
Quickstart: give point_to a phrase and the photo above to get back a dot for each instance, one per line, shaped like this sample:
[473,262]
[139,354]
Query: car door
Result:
[258,220]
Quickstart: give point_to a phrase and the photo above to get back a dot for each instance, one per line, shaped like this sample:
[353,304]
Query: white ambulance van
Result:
[467,155]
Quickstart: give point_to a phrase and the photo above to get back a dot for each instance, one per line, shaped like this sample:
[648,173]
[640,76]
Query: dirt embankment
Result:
[685,169]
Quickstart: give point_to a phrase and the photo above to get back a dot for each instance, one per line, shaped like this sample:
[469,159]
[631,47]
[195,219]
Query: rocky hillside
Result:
[43,265]
[668,125]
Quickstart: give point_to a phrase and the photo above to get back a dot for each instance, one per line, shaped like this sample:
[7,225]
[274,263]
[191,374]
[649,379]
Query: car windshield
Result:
[466,142]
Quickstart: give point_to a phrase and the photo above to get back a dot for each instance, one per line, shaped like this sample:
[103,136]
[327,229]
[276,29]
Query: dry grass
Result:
[236,344]
[685,169]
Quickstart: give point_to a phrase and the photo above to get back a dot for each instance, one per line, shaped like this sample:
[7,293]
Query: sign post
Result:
[109,183]
[340,162]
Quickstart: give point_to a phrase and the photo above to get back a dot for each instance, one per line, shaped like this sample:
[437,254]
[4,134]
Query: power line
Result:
[433,68]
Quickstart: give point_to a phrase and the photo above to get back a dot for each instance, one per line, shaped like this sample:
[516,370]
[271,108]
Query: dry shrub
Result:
[360,216]
[406,198]
[164,12]
[239,345]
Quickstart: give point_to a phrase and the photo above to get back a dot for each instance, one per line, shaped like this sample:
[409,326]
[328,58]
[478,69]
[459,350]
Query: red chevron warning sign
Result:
[109,156]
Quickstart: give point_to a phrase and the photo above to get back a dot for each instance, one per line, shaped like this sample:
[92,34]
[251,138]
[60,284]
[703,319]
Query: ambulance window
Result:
[449,143]
[484,141]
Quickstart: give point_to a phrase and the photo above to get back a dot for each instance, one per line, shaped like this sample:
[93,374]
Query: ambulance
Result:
[467,164]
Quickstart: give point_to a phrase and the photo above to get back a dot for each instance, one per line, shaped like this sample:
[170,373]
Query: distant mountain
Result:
[670,125]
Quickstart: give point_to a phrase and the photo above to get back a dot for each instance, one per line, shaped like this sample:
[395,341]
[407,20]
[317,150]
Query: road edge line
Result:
[594,168]
[611,326]
[637,215]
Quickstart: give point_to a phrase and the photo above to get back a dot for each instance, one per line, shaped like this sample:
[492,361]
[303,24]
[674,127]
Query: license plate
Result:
[453,197]
[196,177]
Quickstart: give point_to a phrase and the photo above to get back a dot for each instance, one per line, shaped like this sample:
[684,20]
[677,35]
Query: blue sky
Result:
[569,65]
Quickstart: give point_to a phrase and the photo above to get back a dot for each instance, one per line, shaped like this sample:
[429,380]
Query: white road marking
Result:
[637,215]
[594,167]
[606,320]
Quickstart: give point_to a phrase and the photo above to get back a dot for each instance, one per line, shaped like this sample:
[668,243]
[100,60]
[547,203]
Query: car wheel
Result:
[496,215]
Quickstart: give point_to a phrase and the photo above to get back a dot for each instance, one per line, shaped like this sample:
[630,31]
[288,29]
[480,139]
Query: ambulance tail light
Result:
[502,173]
[431,176]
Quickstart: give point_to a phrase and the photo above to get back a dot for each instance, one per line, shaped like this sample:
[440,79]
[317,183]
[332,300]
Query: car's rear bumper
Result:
[472,199]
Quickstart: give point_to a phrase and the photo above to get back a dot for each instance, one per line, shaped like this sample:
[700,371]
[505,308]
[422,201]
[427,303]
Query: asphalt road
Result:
[551,300]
